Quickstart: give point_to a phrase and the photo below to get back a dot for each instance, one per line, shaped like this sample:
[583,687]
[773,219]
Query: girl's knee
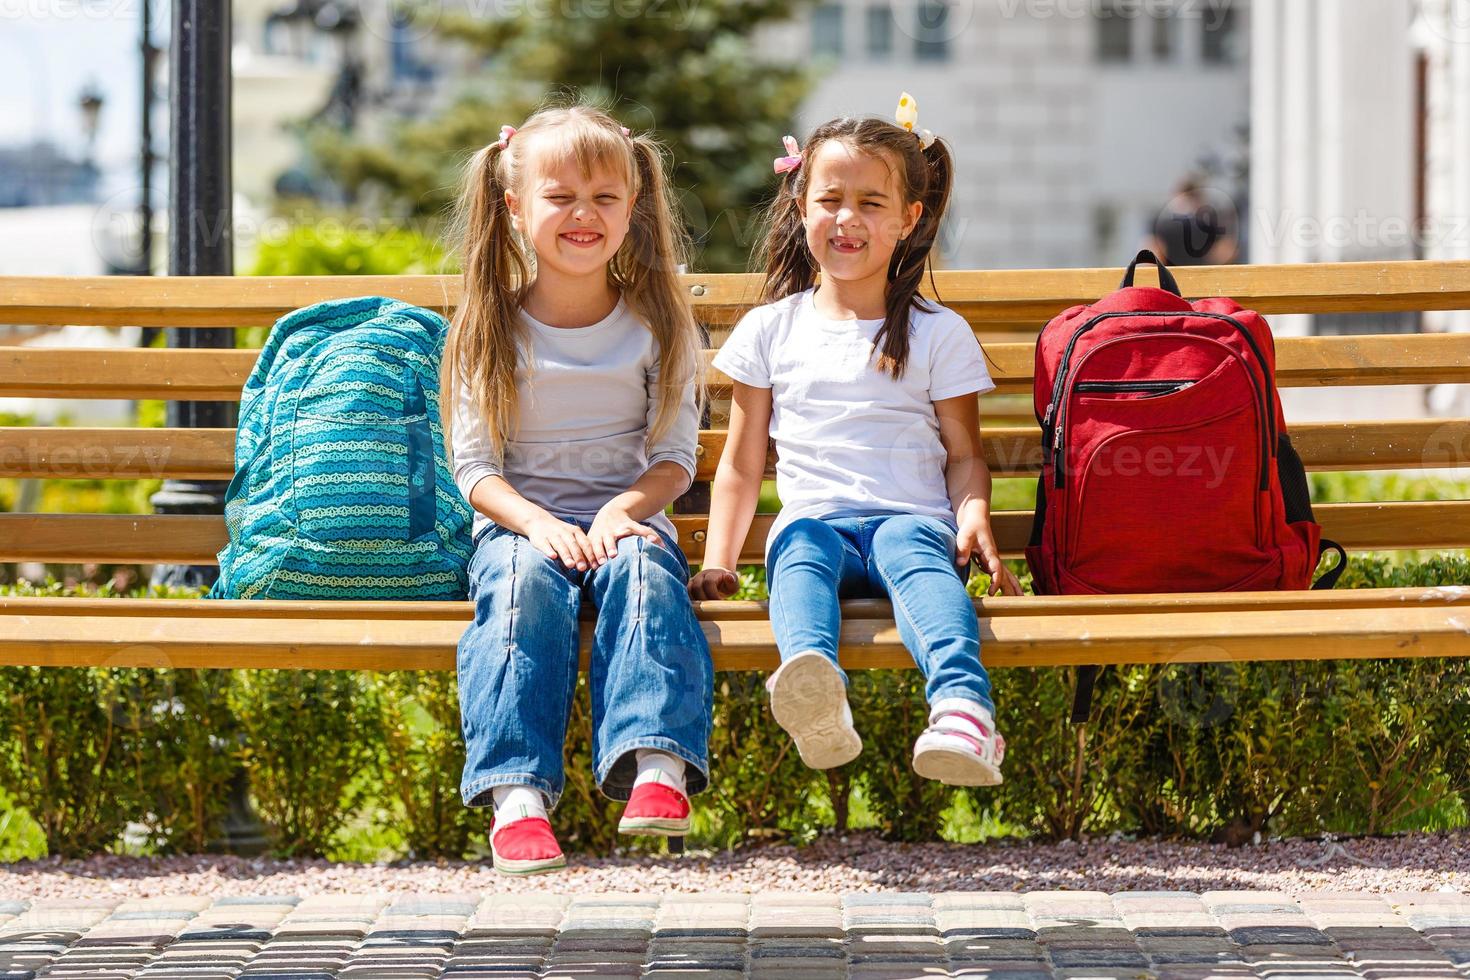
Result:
[806,538]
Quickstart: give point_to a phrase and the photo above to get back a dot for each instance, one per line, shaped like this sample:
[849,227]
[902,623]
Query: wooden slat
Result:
[196,539]
[209,454]
[176,375]
[1007,296]
[1400,629]
[1302,362]
[721,610]
[110,454]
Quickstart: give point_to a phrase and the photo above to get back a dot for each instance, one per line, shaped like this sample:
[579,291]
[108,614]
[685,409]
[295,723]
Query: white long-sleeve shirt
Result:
[586,406]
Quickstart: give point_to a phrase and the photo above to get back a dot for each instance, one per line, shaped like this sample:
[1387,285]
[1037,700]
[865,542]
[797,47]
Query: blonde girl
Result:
[574,361]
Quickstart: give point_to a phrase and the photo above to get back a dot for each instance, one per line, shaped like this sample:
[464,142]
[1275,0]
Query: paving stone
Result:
[1097,957]
[561,957]
[1222,971]
[994,949]
[577,941]
[1291,954]
[1065,936]
[854,900]
[979,900]
[799,971]
[235,901]
[433,905]
[1280,936]
[895,971]
[767,901]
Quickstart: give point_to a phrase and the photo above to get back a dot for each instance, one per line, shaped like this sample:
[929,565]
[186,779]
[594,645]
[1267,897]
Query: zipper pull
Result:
[1058,460]
[1046,433]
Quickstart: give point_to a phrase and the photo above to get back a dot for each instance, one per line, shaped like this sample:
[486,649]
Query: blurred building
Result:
[1071,120]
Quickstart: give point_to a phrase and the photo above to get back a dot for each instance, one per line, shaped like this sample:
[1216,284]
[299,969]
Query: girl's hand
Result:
[559,539]
[713,582]
[610,524]
[975,540]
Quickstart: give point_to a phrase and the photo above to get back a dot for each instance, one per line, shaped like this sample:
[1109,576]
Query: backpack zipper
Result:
[1142,387]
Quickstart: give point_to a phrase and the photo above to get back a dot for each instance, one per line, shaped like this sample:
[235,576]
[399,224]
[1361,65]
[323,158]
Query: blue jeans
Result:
[907,559]
[652,683]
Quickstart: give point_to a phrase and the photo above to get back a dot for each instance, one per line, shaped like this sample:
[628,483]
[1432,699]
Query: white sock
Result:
[963,725]
[659,767]
[517,803]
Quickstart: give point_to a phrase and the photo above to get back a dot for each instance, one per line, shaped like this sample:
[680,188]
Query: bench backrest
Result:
[1005,307]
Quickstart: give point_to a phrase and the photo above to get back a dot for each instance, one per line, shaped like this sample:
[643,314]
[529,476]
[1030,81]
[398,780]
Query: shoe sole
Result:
[807,700]
[955,767]
[655,826]
[523,869]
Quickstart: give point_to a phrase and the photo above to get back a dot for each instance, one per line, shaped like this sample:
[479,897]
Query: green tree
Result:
[687,71]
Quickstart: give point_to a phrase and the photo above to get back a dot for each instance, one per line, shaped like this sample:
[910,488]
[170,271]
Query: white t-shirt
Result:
[850,440]
[586,406]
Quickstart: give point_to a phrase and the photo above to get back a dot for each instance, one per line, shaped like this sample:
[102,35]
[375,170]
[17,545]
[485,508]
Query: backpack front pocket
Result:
[363,463]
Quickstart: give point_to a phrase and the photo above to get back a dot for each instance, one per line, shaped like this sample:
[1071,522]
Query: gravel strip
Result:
[856,863]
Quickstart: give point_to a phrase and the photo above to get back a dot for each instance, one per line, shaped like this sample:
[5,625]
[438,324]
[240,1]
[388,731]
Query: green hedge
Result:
[366,765]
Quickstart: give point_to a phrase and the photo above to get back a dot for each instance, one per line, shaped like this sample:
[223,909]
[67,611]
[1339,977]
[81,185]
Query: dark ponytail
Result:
[789,265]
[911,257]
[925,175]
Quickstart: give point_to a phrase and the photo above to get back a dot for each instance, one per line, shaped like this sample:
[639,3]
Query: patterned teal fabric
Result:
[342,489]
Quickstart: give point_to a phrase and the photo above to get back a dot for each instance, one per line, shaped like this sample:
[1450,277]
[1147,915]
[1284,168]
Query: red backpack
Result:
[1166,463]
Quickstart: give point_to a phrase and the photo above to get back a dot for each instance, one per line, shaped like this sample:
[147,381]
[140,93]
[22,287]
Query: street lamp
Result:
[90,103]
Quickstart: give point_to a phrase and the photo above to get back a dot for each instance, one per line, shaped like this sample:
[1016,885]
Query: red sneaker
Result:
[657,810]
[526,847]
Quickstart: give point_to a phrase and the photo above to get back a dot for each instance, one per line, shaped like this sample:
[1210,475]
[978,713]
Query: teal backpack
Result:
[342,489]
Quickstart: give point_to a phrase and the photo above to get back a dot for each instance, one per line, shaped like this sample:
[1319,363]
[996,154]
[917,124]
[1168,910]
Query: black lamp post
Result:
[90,103]
[147,158]
[200,236]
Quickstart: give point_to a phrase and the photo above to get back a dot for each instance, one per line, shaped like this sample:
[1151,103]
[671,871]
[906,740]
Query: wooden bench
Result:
[1000,305]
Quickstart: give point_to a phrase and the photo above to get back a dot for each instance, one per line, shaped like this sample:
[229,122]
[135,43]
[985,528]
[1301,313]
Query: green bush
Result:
[889,711]
[307,735]
[181,753]
[422,762]
[64,744]
[350,763]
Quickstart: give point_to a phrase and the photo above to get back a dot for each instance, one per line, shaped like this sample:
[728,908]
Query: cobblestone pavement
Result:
[999,935]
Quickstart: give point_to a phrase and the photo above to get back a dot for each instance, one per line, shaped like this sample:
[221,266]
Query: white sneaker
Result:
[953,755]
[809,700]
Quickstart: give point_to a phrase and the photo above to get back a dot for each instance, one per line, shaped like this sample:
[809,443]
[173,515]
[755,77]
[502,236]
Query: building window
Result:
[880,31]
[1114,31]
[1161,40]
[1221,37]
[931,37]
[827,30]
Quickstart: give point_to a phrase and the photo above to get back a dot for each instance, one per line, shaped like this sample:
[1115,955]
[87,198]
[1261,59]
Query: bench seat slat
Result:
[209,454]
[1394,629]
[731,610]
[182,375]
[196,539]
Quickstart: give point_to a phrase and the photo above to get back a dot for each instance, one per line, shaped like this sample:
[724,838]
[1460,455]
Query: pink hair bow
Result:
[506,132]
[627,131]
[792,160]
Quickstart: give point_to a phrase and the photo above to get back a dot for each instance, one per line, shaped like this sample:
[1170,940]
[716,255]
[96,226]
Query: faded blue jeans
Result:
[904,558]
[651,680]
